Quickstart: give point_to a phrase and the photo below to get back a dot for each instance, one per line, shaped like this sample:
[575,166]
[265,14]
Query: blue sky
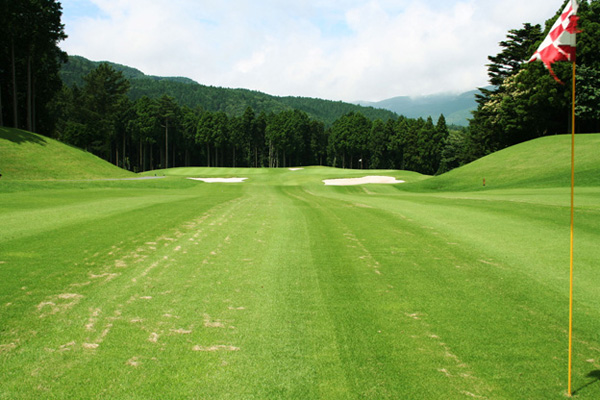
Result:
[334,49]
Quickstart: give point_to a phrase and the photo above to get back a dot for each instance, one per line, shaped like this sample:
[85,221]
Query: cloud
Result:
[336,49]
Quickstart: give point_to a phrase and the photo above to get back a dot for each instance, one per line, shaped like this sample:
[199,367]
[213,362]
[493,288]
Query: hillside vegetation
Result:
[29,156]
[231,101]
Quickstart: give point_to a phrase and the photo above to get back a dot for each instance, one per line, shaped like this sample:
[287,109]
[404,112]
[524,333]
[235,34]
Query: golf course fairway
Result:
[280,287]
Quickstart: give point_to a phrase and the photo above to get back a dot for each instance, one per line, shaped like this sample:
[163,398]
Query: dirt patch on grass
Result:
[181,331]
[93,319]
[153,337]
[66,296]
[67,346]
[7,347]
[133,361]
[106,275]
[56,303]
[220,347]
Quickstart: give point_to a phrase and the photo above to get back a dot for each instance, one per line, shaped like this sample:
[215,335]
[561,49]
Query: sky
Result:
[347,50]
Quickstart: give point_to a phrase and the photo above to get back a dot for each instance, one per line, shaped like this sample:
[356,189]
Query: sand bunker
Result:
[296,169]
[361,181]
[220,180]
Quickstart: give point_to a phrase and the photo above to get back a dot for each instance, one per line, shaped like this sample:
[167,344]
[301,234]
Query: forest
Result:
[142,123]
[151,133]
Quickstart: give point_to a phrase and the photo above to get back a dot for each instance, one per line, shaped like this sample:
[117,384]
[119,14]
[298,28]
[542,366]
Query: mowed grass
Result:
[544,162]
[29,156]
[281,287]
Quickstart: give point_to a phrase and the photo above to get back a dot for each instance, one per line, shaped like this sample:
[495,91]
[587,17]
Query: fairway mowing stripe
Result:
[520,277]
[454,368]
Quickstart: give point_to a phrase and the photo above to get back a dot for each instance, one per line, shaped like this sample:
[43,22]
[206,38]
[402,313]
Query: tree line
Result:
[151,133]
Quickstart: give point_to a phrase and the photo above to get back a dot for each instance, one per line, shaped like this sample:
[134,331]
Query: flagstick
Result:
[572,223]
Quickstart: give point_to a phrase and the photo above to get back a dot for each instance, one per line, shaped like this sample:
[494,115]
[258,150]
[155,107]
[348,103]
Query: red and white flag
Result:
[560,44]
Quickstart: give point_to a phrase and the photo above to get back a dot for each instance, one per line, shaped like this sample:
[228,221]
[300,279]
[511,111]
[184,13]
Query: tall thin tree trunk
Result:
[124,149]
[29,96]
[14,85]
[33,107]
[141,157]
[207,155]
[1,111]
[167,144]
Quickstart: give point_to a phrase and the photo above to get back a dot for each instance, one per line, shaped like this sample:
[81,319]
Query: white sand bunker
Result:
[296,169]
[220,180]
[361,181]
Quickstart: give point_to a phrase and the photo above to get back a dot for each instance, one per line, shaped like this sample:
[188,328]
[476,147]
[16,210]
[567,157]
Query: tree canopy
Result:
[30,60]
[527,102]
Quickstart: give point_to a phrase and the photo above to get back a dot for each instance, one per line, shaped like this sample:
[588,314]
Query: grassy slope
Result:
[28,156]
[300,290]
[544,162]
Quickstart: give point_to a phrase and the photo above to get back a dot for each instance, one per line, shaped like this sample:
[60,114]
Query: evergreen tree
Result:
[30,60]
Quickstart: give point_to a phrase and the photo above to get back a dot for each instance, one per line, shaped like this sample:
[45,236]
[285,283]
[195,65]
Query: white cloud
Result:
[336,49]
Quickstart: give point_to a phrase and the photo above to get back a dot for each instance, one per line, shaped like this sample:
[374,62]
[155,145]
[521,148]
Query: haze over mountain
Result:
[455,107]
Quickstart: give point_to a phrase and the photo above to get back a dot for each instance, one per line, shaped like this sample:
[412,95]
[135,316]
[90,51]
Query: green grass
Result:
[281,287]
[544,162]
[29,156]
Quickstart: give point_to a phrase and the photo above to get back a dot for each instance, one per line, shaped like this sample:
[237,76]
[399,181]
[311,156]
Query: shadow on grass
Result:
[20,137]
[595,375]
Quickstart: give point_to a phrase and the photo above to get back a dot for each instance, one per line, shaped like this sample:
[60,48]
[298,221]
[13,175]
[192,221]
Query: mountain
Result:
[456,108]
[232,101]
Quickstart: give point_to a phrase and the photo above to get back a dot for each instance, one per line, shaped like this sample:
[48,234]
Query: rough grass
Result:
[281,287]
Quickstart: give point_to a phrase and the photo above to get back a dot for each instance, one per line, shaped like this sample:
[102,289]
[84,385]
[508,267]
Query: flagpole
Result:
[572,224]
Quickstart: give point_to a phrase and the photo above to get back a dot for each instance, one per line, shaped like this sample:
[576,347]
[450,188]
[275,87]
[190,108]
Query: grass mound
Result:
[539,163]
[29,156]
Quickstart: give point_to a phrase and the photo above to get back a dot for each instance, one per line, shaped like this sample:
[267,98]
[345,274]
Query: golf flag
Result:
[560,44]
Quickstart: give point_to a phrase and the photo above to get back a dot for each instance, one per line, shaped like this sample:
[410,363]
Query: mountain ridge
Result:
[456,108]
[234,102]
